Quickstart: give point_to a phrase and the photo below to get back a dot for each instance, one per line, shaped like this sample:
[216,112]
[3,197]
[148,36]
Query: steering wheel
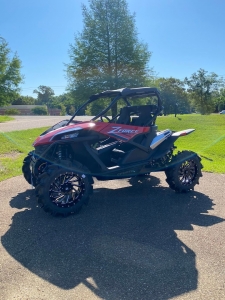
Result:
[107,118]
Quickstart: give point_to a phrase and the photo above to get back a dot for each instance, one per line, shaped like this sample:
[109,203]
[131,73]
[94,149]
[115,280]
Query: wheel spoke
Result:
[58,198]
[75,180]
[78,185]
[66,199]
[69,179]
[54,184]
[55,193]
[75,196]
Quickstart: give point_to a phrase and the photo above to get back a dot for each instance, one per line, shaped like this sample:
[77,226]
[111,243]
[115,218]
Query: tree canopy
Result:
[24,100]
[174,95]
[10,76]
[107,53]
[65,102]
[219,100]
[202,87]
[44,95]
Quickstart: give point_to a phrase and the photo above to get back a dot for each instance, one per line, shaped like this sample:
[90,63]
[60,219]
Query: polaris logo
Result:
[124,130]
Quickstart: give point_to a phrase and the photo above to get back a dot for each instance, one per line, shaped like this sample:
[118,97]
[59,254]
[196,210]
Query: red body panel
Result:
[47,138]
[120,132]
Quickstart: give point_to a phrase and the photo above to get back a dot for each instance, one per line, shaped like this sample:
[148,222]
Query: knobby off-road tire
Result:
[184,172]
[26,170]
[62,192]
[28,175]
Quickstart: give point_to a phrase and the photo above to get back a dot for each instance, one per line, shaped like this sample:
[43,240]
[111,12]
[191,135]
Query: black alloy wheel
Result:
[67,189]
[187,172]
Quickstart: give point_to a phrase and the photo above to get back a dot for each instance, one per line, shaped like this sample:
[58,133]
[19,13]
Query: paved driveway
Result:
[27,122]
[136,239]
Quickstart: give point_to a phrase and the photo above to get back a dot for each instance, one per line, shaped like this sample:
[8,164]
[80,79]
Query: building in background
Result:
[27,110]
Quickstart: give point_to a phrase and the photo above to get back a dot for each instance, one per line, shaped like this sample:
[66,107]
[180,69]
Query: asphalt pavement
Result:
[136,239]
[28,122]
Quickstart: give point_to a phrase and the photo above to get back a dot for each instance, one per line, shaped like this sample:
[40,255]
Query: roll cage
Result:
[148,112]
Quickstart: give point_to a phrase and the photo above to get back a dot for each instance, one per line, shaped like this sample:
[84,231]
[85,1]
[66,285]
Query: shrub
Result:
[12,111]
[40,110]
[63,109]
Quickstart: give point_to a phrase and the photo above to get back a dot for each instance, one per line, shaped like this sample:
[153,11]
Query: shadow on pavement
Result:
[123,245]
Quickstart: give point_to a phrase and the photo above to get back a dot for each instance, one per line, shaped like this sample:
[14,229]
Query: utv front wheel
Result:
[184,172]
[63,192]
[26,170]
[28,175]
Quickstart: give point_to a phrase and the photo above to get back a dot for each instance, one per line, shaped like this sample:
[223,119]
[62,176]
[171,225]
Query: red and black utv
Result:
[120,141]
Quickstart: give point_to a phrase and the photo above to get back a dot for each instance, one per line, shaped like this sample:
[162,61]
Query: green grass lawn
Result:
[208,140]
[5,119]
[14,146]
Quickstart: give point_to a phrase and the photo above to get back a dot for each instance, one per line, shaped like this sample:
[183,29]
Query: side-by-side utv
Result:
[120,141]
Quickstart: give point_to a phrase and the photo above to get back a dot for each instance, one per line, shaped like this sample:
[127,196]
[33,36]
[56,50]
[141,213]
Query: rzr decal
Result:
[123,130]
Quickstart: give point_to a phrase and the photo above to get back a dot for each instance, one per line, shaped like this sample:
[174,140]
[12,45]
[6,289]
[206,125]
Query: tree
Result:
[44,95]
[65,102]
[107,53]
[201,87]
[174,95]
[219,100]
[10,76]
[24,100]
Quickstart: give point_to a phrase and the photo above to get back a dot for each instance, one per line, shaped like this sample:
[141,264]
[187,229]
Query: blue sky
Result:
[183,36]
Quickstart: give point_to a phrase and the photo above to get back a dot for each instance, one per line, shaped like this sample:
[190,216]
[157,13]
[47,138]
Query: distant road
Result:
[27,122]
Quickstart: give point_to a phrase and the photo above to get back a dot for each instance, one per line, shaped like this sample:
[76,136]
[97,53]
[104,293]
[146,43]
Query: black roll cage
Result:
[121,93]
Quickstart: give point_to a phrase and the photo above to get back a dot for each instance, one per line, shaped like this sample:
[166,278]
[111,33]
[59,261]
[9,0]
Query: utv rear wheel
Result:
[184,172]
[63,192]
